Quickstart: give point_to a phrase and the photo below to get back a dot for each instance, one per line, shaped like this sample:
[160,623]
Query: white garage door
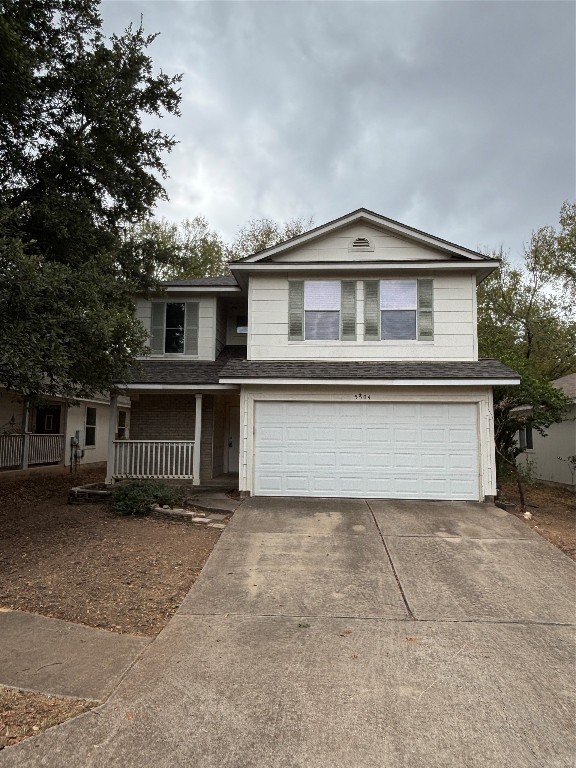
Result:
[367,450]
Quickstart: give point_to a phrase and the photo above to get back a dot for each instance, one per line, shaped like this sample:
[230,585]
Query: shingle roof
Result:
[184,371]
[296,369]
[223,281]
[567,384]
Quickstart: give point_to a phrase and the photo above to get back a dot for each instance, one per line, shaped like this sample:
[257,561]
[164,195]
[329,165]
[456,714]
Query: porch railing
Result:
[22,450]
[160,459]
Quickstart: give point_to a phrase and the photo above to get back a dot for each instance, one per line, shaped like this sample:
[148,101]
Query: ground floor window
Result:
[90,427]
[121,426]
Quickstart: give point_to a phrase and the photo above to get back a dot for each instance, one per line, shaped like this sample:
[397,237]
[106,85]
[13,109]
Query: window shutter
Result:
[296,310]
[191,334]
[157,335]
[348,311]
[371,310]
[426,310]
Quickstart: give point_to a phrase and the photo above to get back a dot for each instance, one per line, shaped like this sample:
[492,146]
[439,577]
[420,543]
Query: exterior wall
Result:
[173,417]
[206,320]
[543,458]
[455,335]
[335,247]
[481,395]
[75,420]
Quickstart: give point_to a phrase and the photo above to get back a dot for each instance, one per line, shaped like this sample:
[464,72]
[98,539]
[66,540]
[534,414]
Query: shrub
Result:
[139,497]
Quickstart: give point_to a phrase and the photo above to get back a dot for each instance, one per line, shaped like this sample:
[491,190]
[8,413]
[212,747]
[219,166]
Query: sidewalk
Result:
[63,659]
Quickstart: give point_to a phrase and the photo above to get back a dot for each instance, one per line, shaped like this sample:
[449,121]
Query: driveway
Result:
[350,634]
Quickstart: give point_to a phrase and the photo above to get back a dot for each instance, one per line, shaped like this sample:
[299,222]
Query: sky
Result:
[455,117]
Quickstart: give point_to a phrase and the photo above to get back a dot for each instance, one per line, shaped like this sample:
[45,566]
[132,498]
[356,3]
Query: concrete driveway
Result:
[350,634]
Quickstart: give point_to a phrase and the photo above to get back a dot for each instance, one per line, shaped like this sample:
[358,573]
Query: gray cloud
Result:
[454,117]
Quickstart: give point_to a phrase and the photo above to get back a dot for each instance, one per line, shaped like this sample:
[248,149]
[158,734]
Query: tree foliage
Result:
[185,250]
[526,318]
[77,170]
[258,234]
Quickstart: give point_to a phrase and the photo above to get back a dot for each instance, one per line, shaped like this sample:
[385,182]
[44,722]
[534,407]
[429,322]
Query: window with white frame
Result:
[322,301]
[121,427]
[175,328]
[90,428]
[398,309]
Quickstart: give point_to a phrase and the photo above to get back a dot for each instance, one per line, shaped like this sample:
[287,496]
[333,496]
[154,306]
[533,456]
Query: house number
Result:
[360,396]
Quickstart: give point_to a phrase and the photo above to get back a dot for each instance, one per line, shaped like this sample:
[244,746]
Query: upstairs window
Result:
[400,310]
[322,310]
[241,324]
[174,328]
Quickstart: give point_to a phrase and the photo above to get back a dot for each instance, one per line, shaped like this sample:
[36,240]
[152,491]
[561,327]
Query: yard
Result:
[83,564]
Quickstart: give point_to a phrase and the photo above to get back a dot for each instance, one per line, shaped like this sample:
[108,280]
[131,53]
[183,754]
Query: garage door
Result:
[367,450]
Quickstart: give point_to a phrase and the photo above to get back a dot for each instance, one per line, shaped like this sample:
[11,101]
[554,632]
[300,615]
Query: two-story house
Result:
[343,362]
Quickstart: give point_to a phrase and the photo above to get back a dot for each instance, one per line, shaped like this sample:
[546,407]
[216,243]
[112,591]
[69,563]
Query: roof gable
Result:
[388,240]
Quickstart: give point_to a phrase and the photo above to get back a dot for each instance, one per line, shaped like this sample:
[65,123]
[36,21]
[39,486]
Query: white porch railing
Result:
[160,459]
[20,451]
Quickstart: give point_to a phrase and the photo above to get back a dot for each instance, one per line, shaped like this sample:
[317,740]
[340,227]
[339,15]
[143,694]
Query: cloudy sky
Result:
[457,118]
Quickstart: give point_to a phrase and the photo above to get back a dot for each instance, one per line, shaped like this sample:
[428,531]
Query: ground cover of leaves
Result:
[553,511]
[24,714]
[82,563]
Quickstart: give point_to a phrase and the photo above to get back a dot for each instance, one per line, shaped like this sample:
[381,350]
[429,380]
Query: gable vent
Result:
[361,244]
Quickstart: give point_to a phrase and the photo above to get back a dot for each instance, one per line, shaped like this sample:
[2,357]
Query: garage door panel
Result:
[296,459]
[388,450]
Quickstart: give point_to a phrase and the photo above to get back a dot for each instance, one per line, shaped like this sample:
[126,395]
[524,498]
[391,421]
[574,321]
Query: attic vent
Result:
[361,244]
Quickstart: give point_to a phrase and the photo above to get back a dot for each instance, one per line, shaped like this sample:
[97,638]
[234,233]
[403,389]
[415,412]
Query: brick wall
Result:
[172,417]
[163,417]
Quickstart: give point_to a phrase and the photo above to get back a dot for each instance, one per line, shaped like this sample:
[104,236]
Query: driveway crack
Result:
[407,606]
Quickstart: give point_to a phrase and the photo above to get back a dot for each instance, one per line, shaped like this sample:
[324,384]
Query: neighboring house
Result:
[342,362]
[546,457]
[56,433]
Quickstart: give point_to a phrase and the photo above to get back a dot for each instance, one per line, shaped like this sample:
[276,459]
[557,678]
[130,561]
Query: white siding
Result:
[454,325]
[336,247]
[560,441]
[480,396]
[206,319]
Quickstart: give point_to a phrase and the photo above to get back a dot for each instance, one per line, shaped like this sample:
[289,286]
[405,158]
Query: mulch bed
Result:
[24,714]
[553,511]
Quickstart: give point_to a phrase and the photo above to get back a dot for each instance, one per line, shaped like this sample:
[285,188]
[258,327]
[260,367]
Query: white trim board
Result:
[381,382]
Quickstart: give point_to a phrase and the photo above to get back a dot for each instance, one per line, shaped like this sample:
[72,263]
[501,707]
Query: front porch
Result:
[191,436]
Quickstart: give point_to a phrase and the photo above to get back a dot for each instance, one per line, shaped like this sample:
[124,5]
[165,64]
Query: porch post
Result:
[113,418]
[197,439]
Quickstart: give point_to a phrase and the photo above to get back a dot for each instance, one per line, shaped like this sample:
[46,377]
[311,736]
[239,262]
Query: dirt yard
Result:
[84,564]
[553,513]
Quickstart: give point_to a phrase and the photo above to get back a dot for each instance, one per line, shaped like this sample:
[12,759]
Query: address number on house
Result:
[361,396]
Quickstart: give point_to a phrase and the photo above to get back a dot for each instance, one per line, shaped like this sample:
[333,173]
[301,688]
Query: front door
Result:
[233,438]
